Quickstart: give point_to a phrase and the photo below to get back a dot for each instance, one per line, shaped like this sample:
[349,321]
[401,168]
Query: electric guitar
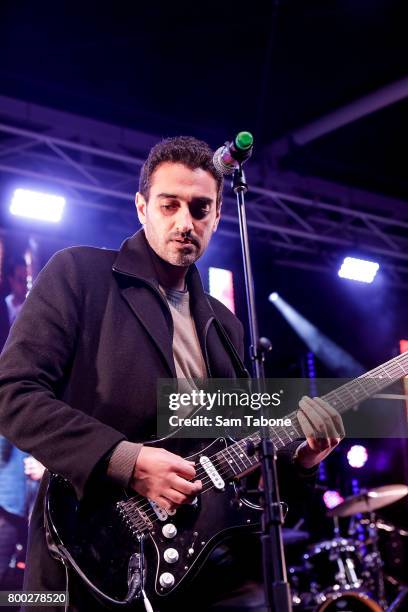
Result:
[124,545]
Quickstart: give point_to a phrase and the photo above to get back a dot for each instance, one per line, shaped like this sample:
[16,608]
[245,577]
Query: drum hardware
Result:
[388,527]
[347,573]
[333,565]
[400,599]
[294,536]
[349,602]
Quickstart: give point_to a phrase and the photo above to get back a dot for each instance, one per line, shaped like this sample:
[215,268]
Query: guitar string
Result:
[225,464]
[394,370]
[225,470]
[388,368]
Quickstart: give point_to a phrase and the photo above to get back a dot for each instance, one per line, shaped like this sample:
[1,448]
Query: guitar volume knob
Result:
[169,530]
[171,555]
[166,580]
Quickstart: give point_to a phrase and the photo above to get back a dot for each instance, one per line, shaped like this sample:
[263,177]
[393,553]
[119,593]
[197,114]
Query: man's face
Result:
[181,214]
[18,283]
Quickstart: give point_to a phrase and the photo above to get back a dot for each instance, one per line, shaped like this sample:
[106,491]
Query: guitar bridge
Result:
[133,517]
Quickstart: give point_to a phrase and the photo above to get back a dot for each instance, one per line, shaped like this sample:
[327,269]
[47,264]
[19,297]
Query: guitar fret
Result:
[231,460]
[362,387]
[277,436]
[358,391]
[283,433]
[354,399]
[336,399]
[296,432]
[225,464]
[401,368]
[239,455]
[385,373]
[292,431]
[244,454]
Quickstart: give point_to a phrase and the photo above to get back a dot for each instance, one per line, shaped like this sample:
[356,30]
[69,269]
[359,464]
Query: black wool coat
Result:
[78,372]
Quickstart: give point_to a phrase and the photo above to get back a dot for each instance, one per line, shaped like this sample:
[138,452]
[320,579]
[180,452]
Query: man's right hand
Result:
[164,477]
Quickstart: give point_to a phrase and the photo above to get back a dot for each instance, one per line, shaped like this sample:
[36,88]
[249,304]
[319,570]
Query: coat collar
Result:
[135,260]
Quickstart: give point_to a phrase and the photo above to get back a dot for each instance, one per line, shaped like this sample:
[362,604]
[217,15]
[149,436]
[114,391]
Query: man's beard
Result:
[183,259]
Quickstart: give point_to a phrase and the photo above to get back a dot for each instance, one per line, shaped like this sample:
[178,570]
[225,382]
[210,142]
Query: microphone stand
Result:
[277,590]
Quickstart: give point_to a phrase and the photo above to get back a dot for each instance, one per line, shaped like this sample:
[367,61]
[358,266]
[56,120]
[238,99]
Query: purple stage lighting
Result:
[36,205]
[357,456]
[358,269]
[332,499]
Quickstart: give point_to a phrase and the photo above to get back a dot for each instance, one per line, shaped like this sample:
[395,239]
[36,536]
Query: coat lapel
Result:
[147,308]
[139,287]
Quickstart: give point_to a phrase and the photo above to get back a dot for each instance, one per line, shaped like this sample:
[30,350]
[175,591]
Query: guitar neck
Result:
[343,398]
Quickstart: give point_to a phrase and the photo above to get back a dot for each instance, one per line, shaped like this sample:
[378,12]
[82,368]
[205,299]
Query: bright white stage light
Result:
[358,269]
[273,297]
[332,499]
[357,456]
[36,205]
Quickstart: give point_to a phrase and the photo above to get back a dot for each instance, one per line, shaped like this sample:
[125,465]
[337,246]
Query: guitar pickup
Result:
[161,513]
[212,472]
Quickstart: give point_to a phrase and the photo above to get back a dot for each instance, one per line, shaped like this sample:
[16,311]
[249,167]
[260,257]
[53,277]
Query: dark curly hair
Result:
[185,150]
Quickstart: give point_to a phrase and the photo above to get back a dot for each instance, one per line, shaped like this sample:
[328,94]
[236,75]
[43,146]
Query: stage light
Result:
[329,353]
[358,270]
[357,456]
[332,499]
[37,205]
[221,285]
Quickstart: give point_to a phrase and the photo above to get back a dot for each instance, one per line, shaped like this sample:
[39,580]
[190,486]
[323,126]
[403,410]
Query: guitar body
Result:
[113,538]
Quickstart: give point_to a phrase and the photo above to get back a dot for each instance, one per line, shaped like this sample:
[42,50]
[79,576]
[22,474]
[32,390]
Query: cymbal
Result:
[370,500]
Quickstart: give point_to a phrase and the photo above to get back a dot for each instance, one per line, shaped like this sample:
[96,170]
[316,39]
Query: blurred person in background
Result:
[19,472]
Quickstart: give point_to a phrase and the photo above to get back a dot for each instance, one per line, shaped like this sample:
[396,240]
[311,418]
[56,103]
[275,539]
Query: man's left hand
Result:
[323,429]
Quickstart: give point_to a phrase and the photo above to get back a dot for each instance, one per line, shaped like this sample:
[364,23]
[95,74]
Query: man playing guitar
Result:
[78,374]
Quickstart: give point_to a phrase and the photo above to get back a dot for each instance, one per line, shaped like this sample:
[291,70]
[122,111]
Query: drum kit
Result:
[348,574]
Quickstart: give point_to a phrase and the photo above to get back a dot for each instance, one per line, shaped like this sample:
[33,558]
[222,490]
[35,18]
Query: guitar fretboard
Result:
[236,458]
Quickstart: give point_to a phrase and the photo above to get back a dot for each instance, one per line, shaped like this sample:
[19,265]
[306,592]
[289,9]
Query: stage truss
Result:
[310,223]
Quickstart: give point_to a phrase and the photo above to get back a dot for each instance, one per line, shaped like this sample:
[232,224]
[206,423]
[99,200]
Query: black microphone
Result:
[227,158]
